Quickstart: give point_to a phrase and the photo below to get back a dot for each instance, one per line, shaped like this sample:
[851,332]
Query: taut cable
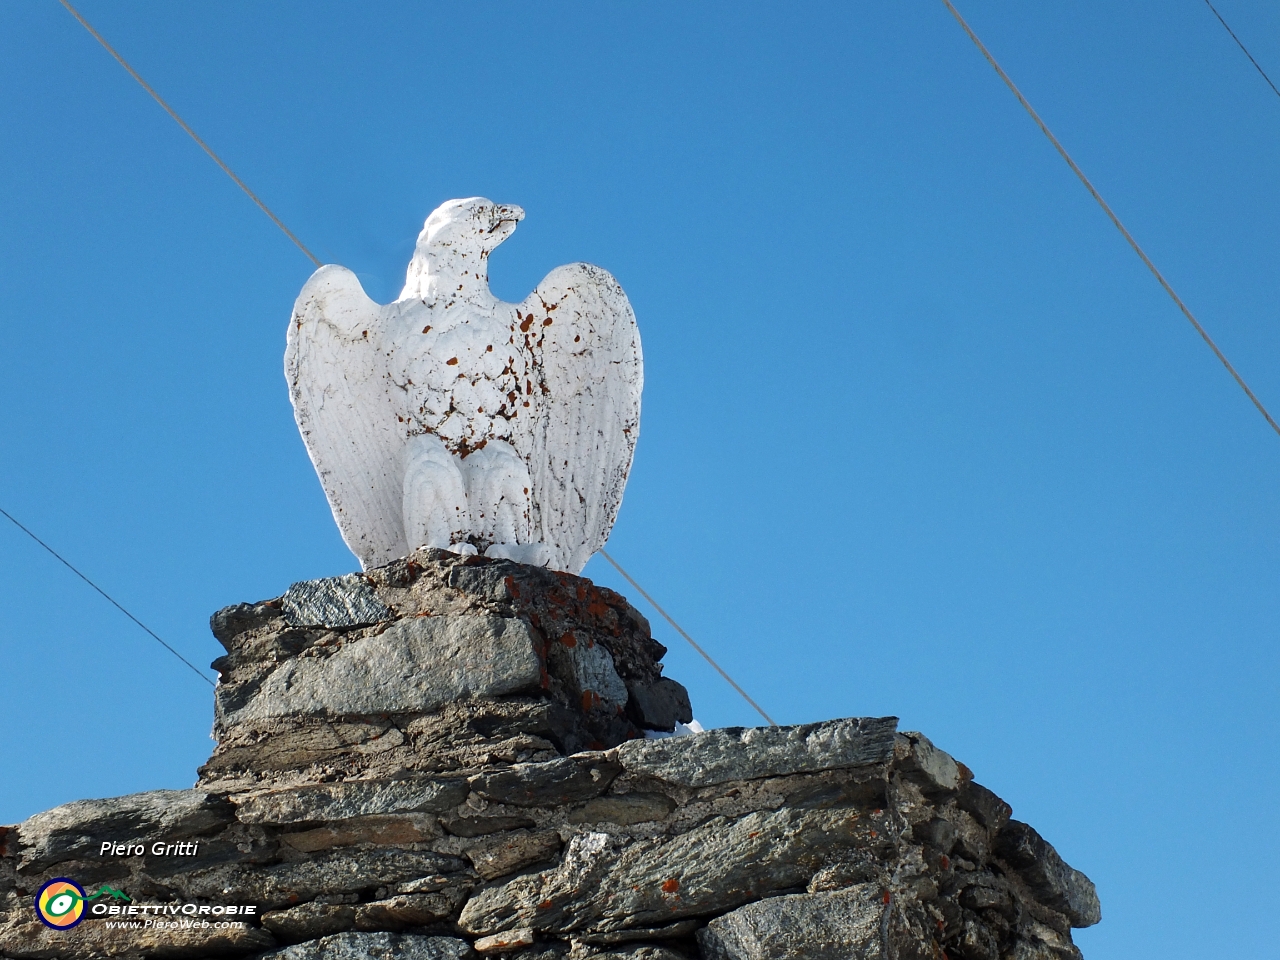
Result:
[191,133]
[1186,312]
[680,630]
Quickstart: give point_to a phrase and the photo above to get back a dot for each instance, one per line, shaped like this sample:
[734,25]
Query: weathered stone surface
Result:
[623,809]
[511,851]
[393,831]
[346,601]
[230,623]
[283,884]
[746,753]
[534,824]
[821,926]
[712,868]
[406,910]
[506,941]
[415,666]
[1052,881]
[483,826]
[431,884]
[595,674]
[662,704]
[548,784]
[76,829]
[925,765]
[376,946]
[309,921]
[23,937]
[587,641]
[468,735]
[355,798]
[989,810]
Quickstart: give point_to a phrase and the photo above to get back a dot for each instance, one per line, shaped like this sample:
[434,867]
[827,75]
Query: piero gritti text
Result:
[183,848]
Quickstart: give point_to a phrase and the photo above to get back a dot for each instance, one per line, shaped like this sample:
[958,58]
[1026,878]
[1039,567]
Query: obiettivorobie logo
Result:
[60,902]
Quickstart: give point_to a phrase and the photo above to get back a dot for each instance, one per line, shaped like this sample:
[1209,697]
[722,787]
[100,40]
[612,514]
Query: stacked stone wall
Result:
[447,758]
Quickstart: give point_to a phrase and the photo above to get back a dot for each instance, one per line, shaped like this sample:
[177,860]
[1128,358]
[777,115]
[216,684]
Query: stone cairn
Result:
[445,758]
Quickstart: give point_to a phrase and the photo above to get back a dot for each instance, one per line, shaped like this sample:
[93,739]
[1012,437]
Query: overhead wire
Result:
[680,630]
[1168,288]
[1257,66]
[110,599]
[191,133]
[287,232]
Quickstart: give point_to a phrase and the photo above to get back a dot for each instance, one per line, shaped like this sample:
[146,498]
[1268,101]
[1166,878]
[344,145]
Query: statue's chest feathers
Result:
[473,379]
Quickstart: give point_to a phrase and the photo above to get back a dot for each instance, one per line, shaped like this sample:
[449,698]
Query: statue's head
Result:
[455,244]
[468,227]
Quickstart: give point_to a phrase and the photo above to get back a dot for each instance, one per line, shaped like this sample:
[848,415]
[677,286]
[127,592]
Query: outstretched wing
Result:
[336,383]
[586,350]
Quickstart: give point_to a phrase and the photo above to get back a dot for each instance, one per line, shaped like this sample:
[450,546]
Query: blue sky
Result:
[921,436]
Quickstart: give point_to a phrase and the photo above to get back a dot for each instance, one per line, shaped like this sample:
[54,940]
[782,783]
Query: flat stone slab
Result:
[357,798]
[346,601]
[748,753]
[77,829]
[594,670]
[819,926]
[337,873]
[553,782]
[376,946]
[415,666]
[712,868]
[1054,883]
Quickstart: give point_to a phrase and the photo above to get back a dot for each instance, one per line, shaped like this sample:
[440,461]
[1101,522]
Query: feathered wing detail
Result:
[351,432]
[587,349]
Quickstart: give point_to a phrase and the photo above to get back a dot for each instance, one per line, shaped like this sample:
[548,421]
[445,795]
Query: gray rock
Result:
[309,921]
[651,883]
[661,705]
[1035,948]
[405,830]
[555,782]
[622,936]
[924,764]
[594,672]
[506,941]
[429,885]
[646,951]
[407,910]
[817,926]
[746,753]
[229,622]
[76,830]
[355,798]
[937,832]
[508,853]
[375,946]
[483,826]
[624,809]
[23,937]
[416,666]
[346,601]
[988,809]
[1052,882]
[343,873]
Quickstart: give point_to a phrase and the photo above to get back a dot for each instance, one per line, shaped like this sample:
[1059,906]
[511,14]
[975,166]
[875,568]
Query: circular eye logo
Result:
[60,903]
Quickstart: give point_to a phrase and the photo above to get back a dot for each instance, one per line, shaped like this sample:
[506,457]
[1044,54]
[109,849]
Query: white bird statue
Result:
[452,419]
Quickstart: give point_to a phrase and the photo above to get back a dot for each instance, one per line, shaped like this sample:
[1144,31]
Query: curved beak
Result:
[505,213]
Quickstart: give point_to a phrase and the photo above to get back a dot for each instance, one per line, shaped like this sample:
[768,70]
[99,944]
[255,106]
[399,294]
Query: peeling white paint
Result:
[452,419]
